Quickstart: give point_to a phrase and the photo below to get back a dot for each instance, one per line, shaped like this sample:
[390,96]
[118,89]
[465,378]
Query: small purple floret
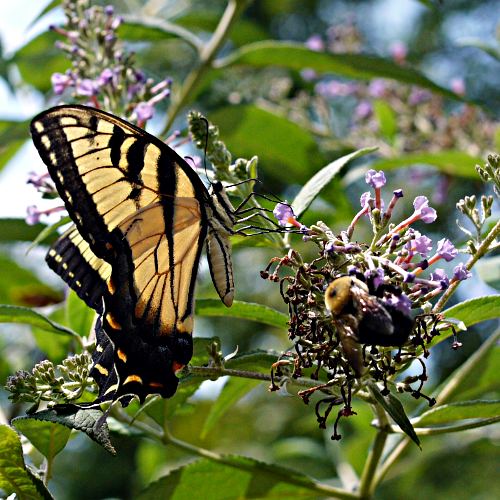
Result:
[283,212]
[33,215]
[446,250]
[461,273]
[440,276]
[144,111]
[375,179]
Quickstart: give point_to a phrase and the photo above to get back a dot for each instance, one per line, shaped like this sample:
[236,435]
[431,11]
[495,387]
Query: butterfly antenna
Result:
[206,149]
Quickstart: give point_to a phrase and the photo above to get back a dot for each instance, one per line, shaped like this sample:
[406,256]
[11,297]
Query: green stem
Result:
[231,14]
[367,484]
[210,372]
[48,470]
[481,251]
[274,473]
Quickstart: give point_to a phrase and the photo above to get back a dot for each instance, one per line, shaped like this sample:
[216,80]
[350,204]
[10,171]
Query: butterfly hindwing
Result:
[71,258]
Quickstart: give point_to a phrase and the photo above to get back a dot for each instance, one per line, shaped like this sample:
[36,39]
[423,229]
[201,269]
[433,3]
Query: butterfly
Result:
[141,216]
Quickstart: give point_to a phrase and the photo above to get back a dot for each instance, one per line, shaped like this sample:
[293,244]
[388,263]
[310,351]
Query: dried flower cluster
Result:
[368,329]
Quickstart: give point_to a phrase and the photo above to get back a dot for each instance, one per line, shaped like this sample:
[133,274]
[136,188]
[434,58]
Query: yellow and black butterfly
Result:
[141,215]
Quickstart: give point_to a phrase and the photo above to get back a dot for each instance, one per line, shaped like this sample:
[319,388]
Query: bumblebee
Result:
[362,317]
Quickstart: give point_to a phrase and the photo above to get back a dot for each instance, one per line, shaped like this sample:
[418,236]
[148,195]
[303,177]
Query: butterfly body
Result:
[141,216]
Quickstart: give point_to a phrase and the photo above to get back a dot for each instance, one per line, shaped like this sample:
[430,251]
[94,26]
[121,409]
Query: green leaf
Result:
[451,413]
[453,163]
[14,476]
[281,144]
[20,286]
[79,316]
[55,347]
[13,134]
[142,29]
[239,477]
[319,180]
[48,233]
[47,437]
[474,311]
[297,57]
[242,310]
[469,312]
[38,59]
[17,230]
[204,20]
[51,6]
[257,361]
[488,269]
[16,314]
[386,119]
[89,421]
[477,378]
[234,389]
[395,409]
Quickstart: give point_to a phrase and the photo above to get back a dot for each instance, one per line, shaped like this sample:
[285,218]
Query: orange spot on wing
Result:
[121,355]
[156,385]
[133,378]
[112,322]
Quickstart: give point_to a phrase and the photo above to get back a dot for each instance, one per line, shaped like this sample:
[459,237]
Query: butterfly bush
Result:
[103,73]
[423,120]
[401,258]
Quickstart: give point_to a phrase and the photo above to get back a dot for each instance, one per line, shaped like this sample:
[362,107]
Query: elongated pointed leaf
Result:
[234,389]
[240,477]
[243,310]
[51,6]
[451,162]
[477,378]
[40,52]
[257,361]
[296,56]
[14,476]
[79,317]
[16,314]
[316,183]
[21,287]
[453,412]
[395,409]
[475,310]
[141,28]
[17,230]
[284,147]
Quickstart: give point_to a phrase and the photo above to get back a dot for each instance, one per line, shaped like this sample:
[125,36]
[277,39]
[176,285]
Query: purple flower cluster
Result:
[402,249]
